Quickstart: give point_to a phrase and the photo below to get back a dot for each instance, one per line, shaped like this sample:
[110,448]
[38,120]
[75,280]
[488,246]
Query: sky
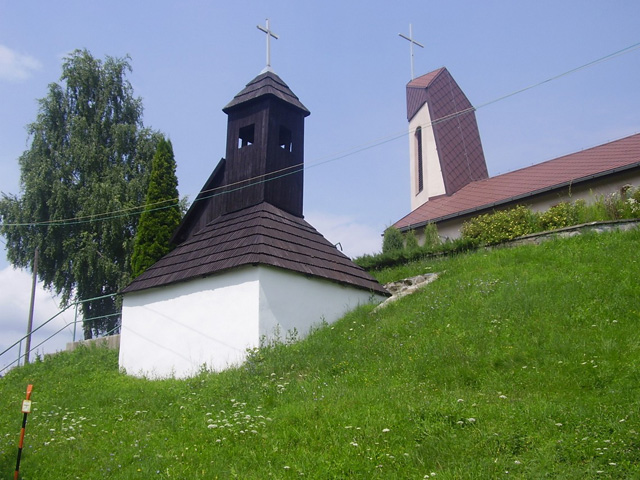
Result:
[348,65]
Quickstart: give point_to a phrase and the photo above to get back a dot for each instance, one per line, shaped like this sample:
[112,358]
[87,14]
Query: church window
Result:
[419,166]
[284,139]
[246,136]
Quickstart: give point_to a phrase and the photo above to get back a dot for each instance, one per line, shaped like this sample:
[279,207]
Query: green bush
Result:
[393,240]
[411,241]
[631,203]
[500,226]
[561,215]
[431,237]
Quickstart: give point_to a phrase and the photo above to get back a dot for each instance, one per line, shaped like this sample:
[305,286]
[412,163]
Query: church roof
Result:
[267,83]
[606,159]
[262,234]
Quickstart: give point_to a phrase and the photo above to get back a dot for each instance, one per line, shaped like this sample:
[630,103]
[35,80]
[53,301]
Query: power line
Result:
[138,210]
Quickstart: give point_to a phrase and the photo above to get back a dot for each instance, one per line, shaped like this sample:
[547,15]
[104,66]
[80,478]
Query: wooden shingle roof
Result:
[267,83]
[261,234]
[610,158]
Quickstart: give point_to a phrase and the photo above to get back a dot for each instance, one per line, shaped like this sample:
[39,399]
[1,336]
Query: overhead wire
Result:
[293,169]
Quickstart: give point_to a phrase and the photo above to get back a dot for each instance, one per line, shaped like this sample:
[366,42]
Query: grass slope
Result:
[516,363]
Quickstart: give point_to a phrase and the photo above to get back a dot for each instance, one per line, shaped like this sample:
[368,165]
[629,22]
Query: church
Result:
[448,171]
[247,267]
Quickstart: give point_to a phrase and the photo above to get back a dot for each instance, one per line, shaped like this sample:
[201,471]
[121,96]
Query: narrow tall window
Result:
[246,136]
[419,167]
[285,140]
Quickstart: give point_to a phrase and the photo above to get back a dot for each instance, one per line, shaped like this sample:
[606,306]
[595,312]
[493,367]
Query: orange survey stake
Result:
[26,409]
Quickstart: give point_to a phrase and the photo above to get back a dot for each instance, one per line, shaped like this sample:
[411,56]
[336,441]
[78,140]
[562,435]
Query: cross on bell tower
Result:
[270,34]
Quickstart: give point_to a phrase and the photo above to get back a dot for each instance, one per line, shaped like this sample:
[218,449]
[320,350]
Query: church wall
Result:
[587,191]
[176,329]
[289,300]
[433,184]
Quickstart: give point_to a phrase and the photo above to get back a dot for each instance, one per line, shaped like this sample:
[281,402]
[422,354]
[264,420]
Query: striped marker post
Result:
[26,409]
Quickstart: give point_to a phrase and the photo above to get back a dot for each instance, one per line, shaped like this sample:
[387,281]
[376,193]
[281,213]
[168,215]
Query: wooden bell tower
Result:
[265,146]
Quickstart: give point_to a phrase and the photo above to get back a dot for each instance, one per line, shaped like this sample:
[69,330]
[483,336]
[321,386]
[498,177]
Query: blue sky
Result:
[348,65]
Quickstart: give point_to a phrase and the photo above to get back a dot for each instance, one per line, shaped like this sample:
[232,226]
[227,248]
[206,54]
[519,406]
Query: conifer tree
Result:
[392,241]
[162,213]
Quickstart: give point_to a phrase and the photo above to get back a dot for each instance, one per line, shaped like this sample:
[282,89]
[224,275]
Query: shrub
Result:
[431,238]
[500,226]
[631,203]
[561,215]
[393,240]
[411,241]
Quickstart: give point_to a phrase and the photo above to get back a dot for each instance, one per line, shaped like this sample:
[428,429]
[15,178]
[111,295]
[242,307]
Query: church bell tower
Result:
[265,146]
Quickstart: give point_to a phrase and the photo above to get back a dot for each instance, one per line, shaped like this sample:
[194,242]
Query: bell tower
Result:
[265,146]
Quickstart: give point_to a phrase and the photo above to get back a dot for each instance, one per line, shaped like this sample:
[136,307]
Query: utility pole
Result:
[33,298]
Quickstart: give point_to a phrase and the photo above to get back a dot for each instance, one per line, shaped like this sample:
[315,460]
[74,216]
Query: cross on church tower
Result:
[270,34]
[412,42]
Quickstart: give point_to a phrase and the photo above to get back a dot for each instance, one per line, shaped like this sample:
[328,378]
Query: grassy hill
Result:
[515,363]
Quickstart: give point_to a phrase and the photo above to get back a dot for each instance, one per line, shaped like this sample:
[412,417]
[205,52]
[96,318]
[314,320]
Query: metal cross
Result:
[269,35]
[412,42]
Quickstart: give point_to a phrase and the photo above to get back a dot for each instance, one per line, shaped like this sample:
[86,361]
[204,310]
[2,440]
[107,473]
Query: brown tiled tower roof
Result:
[454,125]
[609,158]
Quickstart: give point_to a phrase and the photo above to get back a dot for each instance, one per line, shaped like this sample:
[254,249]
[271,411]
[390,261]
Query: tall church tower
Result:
[444,142]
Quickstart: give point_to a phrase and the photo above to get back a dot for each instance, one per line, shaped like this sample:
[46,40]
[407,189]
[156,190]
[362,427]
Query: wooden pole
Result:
[33,297]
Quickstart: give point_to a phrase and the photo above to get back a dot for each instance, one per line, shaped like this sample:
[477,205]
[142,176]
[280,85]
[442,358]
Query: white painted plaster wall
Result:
[173,331]
[289,300]
[433,182]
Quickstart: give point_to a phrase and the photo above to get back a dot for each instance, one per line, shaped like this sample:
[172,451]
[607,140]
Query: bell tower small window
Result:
[246,136]
[284,139]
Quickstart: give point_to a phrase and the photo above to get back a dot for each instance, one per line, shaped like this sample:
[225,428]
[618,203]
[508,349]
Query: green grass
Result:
[522,360]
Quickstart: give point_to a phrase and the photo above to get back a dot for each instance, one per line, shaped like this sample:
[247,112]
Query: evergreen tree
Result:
[162,212]
[392,240]
[84,174]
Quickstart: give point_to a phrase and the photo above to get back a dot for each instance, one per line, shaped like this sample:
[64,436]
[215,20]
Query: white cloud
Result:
[15,66]
[355,238]
[15,298]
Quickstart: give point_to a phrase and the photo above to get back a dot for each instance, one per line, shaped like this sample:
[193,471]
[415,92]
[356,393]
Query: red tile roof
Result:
[577,167]
[262,234]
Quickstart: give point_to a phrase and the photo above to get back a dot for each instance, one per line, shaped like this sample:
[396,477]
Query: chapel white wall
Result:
[175,330]
[291,301]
